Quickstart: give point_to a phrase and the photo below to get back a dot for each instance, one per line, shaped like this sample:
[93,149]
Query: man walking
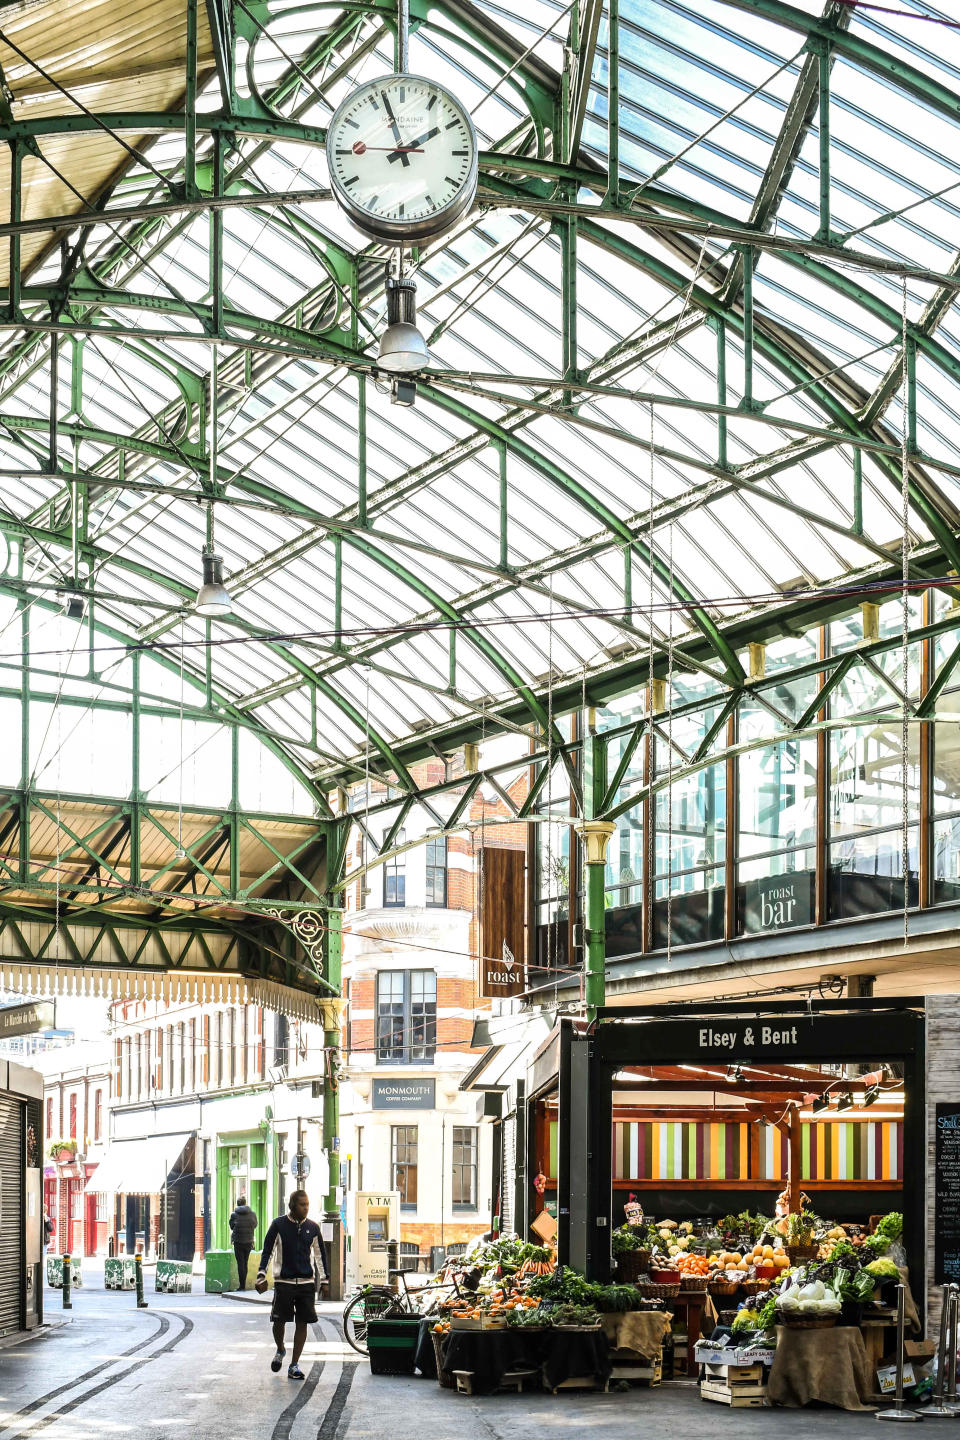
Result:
[243,1228]
[299,1262]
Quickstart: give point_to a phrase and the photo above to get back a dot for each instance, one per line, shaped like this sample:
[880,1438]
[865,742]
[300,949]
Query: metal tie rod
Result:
[899,1411]
[952,1399]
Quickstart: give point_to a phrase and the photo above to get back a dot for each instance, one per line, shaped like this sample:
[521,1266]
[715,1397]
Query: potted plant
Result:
[64,1150]
[631,1251]
[800,1242]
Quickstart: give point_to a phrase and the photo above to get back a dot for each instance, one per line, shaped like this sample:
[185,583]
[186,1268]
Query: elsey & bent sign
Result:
[747,1036]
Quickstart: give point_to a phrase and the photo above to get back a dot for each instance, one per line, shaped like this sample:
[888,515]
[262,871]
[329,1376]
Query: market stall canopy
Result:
[139,1167]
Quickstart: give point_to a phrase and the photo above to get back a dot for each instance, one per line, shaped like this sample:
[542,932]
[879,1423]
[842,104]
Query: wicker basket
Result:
[631,1265]
[723,1287]
[807,1322]
[755,1287]
[694,1285]
[651,1291]
[443,1376]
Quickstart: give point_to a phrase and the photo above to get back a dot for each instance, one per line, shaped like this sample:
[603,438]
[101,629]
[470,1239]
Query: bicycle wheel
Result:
[363,1307]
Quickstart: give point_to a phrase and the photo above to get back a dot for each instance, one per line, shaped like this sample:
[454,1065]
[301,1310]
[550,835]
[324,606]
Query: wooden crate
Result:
[739,1397]
[651,1375]
[734,1374]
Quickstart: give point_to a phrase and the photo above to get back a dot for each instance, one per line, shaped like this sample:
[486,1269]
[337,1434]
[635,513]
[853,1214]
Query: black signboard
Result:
[946,1228]
[778,902]
[766,1036]
[26,1019]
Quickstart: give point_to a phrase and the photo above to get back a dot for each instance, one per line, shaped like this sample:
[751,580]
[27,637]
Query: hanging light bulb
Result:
[213,597]
[402,347]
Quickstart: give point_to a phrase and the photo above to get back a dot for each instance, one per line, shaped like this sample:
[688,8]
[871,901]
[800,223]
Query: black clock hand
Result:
[394,127]
[413,145]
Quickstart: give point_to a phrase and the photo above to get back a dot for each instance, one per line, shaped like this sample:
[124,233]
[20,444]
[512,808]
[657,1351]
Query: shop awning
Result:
[138,1167]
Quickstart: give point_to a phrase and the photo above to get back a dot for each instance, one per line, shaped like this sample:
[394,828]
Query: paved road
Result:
[200,1364]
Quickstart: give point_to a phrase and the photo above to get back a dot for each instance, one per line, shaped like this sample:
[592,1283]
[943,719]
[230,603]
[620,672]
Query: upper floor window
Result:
[464,1167]
[406,1015]
[97,1114]
[395,876]
[404,1164]
[49,1116]
[73,1117]
[281,1040]
[437,870]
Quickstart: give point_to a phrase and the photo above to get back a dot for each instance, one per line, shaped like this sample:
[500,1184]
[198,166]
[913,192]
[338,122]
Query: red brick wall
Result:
[452,1232]
[462,894]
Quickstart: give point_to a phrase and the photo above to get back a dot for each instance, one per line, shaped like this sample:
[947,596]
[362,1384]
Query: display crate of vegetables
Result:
[810,1306]
[575,1317]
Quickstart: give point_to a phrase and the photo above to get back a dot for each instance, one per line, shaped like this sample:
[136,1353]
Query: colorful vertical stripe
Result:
[687,1150]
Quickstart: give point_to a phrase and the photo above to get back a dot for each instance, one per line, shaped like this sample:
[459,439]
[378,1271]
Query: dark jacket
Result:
[243,1225]
[296,1248]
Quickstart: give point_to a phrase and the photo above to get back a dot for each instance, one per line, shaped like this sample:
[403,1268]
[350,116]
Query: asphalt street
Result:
[200,1364]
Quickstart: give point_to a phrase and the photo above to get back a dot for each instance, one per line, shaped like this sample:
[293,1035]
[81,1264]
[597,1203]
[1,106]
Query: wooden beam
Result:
[888,1187]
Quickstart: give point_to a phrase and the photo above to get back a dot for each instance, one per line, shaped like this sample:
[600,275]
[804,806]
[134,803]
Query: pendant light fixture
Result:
[213,598]
[403,349]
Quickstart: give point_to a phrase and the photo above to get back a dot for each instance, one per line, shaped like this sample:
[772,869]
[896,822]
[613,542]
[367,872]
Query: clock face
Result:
[402,157]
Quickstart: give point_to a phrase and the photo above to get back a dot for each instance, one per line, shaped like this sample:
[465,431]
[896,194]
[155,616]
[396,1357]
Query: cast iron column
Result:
[596,836]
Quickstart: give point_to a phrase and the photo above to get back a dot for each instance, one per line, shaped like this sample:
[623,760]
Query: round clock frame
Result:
[399,229]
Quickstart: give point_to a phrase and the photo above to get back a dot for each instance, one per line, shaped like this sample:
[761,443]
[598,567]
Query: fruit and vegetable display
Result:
[521,1285]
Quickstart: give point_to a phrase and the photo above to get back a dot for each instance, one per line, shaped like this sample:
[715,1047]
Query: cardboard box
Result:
[887,1379]
[707,1353]
[544,1227]
[919,1349]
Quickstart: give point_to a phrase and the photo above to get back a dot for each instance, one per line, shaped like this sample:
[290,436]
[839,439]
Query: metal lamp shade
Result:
[213,597]
[402,347]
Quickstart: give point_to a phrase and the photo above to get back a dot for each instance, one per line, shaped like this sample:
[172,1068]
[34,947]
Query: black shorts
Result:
[294,1302]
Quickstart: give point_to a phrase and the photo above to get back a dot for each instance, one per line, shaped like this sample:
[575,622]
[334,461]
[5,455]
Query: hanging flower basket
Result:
[64,1151]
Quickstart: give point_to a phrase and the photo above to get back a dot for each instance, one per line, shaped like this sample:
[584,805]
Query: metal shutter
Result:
[508,1173]
[11,1214]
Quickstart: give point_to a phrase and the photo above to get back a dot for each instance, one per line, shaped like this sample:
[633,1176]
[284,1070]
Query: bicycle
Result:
[382,1302]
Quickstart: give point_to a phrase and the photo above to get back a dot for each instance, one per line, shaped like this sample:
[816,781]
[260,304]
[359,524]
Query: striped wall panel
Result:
[687,1150]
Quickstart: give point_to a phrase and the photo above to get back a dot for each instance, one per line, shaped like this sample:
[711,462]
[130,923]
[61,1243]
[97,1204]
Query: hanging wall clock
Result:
[402,158]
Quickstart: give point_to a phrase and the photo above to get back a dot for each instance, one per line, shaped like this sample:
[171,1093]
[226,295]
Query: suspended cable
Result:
[906,407]
[903,14]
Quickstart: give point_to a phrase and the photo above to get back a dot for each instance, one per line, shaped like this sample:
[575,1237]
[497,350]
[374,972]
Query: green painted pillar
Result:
[595,836]
[331,1094]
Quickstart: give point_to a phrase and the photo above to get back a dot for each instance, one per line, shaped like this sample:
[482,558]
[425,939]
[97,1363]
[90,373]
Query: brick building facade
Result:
[76,1101]
[411,979]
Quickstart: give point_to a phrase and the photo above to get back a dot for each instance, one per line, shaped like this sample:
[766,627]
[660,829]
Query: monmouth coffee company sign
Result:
[404,1094]
[778,902]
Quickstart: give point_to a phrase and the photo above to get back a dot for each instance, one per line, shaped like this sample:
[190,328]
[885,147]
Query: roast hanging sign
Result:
[502,933]
[503,976]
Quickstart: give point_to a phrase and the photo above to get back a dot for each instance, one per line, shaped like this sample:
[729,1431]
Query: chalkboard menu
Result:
[947,1181]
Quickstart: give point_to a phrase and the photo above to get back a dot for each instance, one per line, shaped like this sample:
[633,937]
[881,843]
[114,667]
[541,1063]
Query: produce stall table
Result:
[425,1359]
[827,1365]
[559,1355]
[700,1313]
[636,1338]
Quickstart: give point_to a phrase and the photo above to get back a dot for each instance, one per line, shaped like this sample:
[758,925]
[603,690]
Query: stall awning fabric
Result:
[138,1167]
